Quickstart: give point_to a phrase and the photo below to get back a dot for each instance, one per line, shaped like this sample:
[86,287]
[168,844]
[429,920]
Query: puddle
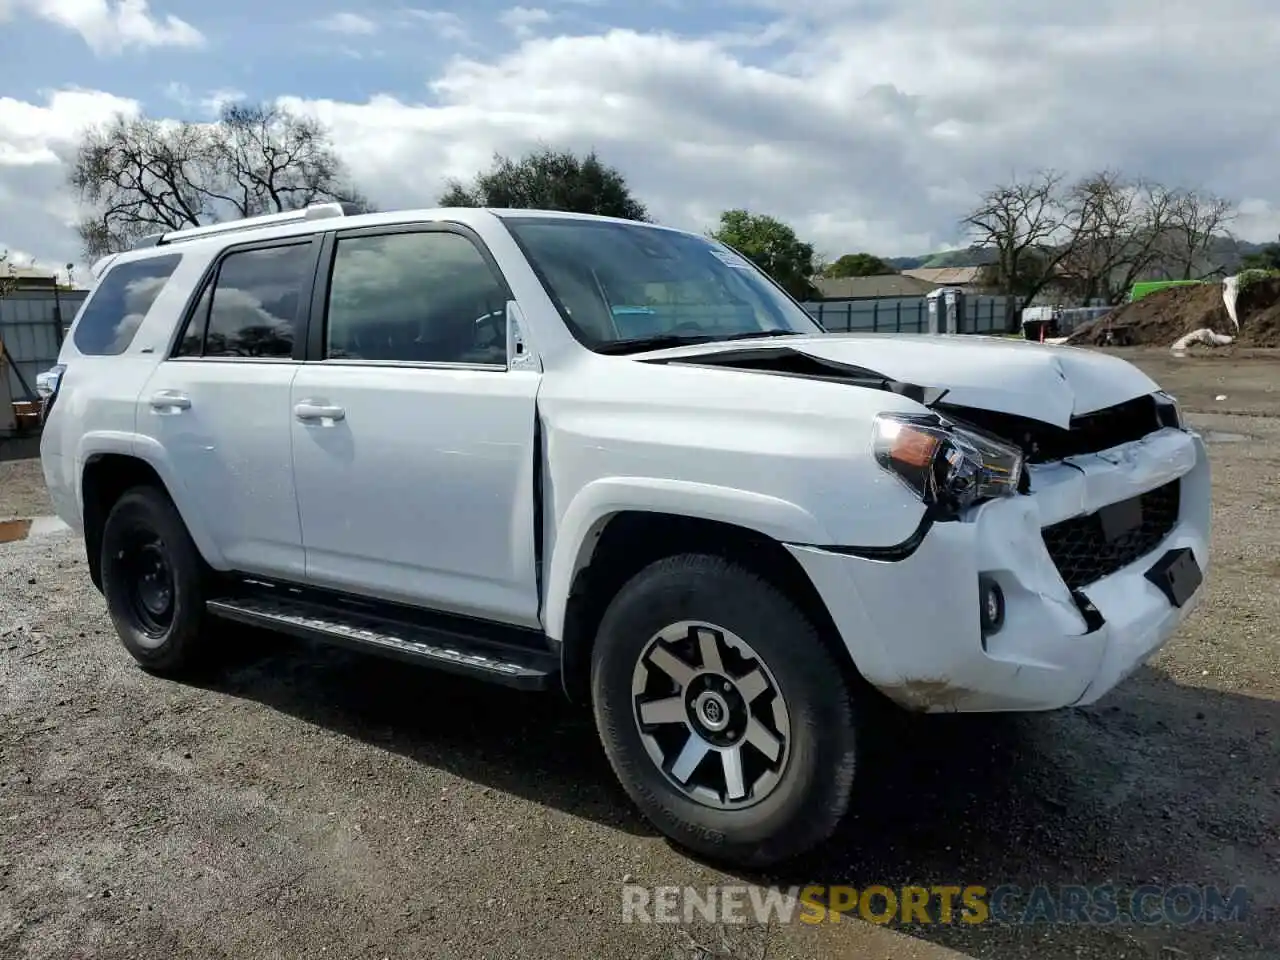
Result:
[11,530]
[1222,436]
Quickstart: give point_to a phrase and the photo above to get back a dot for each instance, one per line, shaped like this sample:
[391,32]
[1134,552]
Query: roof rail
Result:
[317,211]
[100,266]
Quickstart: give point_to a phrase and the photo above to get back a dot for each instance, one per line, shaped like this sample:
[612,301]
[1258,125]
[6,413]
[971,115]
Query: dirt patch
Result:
[1220,380]
[23,493]
[1160,318]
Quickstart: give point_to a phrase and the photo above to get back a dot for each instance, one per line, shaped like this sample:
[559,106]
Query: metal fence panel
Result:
[983,315]
[31,324]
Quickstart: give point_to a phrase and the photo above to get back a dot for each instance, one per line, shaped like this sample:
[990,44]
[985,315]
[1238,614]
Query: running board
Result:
[452,650]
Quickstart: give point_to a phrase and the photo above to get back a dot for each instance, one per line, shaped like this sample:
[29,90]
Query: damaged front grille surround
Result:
[1086,549]
[1089,433]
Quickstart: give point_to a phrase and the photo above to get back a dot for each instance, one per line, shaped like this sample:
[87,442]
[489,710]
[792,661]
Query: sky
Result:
[866,125]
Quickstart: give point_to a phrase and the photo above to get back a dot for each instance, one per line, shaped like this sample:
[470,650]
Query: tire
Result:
[784,812]
[146,552]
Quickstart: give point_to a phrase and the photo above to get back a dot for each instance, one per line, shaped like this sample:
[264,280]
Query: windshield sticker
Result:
[730,259]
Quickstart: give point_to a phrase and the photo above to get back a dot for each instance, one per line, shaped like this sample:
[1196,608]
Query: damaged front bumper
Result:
[913,626]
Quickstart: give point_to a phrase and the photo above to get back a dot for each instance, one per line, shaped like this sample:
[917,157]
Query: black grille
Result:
[1082,551]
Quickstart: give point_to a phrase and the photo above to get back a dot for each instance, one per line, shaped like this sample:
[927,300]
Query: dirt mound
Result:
[1160,318]
[1259,310]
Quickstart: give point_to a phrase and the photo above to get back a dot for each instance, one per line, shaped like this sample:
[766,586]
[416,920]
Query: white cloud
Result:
[111,26]
[37,212]
[443,23]
[865,130]
[209,104]
[349,24]
[522,20]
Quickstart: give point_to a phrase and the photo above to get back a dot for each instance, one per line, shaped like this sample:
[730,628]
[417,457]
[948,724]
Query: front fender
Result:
[578,527]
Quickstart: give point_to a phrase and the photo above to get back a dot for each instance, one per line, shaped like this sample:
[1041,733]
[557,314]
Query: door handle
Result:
[309,410]
[170,400]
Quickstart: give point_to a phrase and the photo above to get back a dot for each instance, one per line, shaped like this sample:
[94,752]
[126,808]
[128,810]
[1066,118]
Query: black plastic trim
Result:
[539,489]
[751,360]
[892,553]
[318,315]
[485,631]
[1175,578]
[519,667]
[1093,618]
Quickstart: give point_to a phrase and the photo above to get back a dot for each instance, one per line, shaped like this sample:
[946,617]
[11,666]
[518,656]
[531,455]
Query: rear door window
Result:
[257,299]
[120,303]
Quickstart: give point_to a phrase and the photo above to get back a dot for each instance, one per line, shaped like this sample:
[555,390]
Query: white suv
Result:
[553,450]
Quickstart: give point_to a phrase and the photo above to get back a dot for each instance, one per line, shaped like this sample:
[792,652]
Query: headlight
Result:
[945,464]
[1168,411]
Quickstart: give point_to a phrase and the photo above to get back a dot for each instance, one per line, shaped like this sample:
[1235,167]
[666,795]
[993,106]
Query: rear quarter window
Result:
[117,307]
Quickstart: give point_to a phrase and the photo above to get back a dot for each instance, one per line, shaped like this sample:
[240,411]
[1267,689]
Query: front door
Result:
[413,442]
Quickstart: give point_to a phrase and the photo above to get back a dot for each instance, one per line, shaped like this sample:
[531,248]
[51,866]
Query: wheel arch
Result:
[620,544]
[105,475]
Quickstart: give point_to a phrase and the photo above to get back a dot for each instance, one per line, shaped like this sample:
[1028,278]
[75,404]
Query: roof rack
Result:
[317,211]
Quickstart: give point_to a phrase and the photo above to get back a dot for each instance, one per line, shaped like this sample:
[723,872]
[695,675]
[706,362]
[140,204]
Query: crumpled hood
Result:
[1045,382]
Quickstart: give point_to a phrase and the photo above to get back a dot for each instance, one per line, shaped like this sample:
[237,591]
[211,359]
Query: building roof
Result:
[887,285]
[27,278]
[945,276]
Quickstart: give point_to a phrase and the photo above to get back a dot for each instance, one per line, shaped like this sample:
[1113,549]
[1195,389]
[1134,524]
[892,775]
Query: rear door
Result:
[413,438]
[219,406]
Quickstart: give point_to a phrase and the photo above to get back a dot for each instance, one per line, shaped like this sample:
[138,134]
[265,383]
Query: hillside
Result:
[1226,252]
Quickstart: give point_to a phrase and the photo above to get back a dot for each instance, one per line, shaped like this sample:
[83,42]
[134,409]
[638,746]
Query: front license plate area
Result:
[1177,575]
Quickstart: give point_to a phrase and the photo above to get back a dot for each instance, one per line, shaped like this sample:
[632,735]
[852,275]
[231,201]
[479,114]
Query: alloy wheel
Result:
[711,715]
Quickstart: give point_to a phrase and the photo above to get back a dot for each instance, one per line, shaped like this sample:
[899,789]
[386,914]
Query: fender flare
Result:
[153,454]
[580,524]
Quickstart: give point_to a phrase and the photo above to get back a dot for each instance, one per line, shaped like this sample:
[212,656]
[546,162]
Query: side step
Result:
[448,648]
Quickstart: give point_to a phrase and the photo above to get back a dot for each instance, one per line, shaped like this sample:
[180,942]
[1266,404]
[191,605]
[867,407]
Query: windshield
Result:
[619,285]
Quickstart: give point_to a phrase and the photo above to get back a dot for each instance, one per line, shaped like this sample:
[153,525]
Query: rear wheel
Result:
[153,581]
[724,715]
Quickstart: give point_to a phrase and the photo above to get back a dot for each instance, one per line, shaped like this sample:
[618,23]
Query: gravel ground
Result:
[306,802]
[22,490]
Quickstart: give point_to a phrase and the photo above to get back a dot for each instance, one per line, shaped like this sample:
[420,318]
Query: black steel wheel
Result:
[153,579]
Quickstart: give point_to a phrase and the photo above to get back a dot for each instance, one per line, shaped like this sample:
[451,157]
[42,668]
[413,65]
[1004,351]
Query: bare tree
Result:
[137,175]
[7,280]
[1023,222]
[1116,229]
[1196,218]
[268,160]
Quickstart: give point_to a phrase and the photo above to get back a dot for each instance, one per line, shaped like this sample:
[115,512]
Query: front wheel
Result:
[725,717]
[153,581]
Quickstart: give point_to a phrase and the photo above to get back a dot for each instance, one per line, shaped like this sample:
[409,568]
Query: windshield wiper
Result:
[762,334]
[658,342]
[661,341]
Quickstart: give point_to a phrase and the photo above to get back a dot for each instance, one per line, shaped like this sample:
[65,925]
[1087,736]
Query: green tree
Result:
[547,179]
[857,265]
[772,246]
[1268,258]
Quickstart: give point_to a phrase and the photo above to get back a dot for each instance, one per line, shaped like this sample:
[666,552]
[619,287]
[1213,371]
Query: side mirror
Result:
[519,355]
